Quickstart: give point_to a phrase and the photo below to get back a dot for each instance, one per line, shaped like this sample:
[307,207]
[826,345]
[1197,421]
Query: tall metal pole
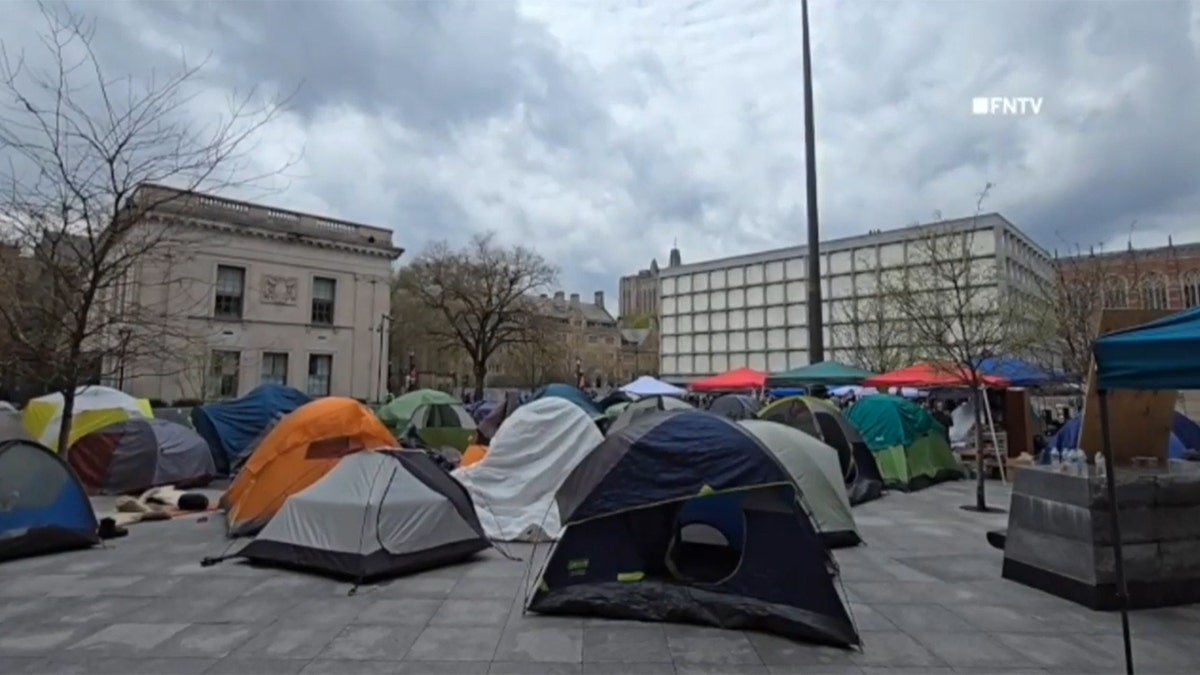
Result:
[816,321]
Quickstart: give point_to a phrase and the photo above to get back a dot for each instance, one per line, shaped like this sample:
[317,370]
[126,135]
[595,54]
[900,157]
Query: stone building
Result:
[256,295]
[588,339]
[639,353]
[639,292]
[1167,277]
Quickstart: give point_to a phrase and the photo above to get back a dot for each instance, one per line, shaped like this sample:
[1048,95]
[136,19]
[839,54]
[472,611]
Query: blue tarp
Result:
[1163,354]
[1020,373]
[1185,435]
[231,427]
[573,394]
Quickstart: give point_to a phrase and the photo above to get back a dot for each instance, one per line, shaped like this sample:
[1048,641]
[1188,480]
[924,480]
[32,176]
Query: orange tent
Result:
[301,449]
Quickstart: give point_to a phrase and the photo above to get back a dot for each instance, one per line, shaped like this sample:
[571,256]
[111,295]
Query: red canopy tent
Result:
[932,375]
[734,380]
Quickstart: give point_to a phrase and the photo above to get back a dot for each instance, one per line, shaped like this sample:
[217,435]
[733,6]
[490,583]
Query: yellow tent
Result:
[96,407]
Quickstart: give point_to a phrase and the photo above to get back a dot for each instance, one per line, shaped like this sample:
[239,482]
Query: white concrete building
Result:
[250,294]
[750,310]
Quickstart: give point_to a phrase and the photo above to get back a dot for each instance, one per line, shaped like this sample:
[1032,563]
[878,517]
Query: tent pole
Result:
[987,410]
[1115,529]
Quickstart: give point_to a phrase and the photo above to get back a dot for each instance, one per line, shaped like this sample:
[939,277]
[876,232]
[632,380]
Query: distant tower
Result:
[676,260]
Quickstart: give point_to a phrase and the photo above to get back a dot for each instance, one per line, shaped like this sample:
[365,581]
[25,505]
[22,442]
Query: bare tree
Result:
[485,295]
[538,360]
[1069,305]
[871,331]
[76,145]
[958,313]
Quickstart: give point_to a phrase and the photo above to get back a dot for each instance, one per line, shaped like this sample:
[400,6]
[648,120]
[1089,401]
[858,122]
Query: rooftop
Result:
[925,592]
[560,306]
[234,212]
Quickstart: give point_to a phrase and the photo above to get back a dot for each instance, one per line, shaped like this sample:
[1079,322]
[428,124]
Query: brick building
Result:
[1167,277]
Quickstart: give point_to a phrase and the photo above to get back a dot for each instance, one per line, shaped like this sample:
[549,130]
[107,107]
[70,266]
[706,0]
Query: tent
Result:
[138,454]
[573,394]
[481,409]
[1020,373]
[684,516]
[614,411]
[437,418]
[491,424]
[95,407]
[374,515]
[513,485]
[818,472]
[734,406]
[649,386]
[742,379]
[304,446]
[1185,437]
[910,447]
[827,424]
[645,406]
[43,507]
[1155,355]
[932,376]
[827,373]
[12,426]
[177,415]
[230,427]
[613,398]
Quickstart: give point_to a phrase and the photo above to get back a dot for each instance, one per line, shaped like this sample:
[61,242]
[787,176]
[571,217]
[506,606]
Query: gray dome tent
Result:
[734,406]
[375,515]
[645,406]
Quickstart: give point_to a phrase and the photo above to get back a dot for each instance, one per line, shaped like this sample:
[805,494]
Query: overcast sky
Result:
[601,131]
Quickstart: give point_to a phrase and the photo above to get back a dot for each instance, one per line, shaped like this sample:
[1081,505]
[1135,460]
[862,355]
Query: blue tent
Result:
[1020,373]
[1185,435]
[231,427]
[684,516]
[573,394]
[1158,355]
[43,506]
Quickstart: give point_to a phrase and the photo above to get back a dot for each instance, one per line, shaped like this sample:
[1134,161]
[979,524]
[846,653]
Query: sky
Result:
[601,132]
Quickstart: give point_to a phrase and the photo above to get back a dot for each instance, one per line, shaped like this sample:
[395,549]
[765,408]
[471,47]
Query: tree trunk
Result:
[480,376]
[980,475]
[68,413]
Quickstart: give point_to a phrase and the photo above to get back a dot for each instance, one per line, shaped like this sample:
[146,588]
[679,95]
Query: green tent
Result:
[436,417]
[910,447]
[817,472]
[827,373]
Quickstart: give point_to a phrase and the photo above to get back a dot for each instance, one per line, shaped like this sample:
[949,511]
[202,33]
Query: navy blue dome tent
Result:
[684,516]
[232,427]
[43,506]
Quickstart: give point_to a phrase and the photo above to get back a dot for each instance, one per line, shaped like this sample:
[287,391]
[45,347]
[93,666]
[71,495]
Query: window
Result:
[320,369]
[226,365]
[1154,293]
[1191,289]
[274,368]
[1116,294]
[231,288]
[323,293]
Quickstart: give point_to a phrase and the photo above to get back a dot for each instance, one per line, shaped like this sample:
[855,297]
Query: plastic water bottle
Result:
[1078,463]
[1101,465]
[1055,459]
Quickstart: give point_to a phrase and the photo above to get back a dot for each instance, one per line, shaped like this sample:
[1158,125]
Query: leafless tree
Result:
[485,295]
[871,331]
[75,145]
[1069,305]
[958,313]
[541,359]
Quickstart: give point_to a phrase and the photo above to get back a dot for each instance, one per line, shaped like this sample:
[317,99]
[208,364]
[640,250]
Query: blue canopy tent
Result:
[1162,354]
[574,395]
[1020,373]
[1185,436]
[231,427]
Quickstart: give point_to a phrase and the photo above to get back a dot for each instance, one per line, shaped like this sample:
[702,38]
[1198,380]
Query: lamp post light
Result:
[816,321]
[579,372]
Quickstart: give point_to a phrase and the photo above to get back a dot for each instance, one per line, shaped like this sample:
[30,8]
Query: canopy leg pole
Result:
[987,410]
[1115,529]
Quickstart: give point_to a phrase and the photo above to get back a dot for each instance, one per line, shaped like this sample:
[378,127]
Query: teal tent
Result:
[827,373]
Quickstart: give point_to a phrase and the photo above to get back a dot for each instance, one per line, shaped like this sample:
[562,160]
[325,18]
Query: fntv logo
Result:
[1006,105]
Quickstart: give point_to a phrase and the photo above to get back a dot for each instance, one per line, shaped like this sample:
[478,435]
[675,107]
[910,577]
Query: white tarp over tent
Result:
[528,459]
[649,386]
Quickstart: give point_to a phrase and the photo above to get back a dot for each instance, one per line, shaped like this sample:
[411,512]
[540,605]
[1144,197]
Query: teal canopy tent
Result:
[828,373]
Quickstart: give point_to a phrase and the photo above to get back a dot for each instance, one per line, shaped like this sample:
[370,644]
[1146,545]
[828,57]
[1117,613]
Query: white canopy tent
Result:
[649,386]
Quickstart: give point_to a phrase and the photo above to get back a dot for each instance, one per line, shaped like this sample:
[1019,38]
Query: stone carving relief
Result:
[277,290]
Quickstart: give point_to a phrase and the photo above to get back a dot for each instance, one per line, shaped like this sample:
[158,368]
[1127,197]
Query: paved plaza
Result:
[925,592]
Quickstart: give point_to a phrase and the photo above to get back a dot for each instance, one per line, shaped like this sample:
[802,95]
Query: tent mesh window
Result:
[28,478]
[333,448]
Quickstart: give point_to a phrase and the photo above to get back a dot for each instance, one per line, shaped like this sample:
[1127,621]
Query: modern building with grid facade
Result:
[750,310]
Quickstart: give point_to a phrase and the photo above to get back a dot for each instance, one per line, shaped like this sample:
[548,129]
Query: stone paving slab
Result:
[925,592]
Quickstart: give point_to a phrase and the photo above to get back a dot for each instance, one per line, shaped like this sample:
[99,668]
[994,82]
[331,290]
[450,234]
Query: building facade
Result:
[1166,277]
[639,292]
[256,295]
[750,310]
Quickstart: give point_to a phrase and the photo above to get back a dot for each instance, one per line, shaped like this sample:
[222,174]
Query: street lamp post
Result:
[816,321]
[383,373]
[579,372]
[123,335]
[412,370]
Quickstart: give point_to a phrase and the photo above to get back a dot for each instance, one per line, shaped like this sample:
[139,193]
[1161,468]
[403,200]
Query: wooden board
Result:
[1139,421]
[1018,421]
